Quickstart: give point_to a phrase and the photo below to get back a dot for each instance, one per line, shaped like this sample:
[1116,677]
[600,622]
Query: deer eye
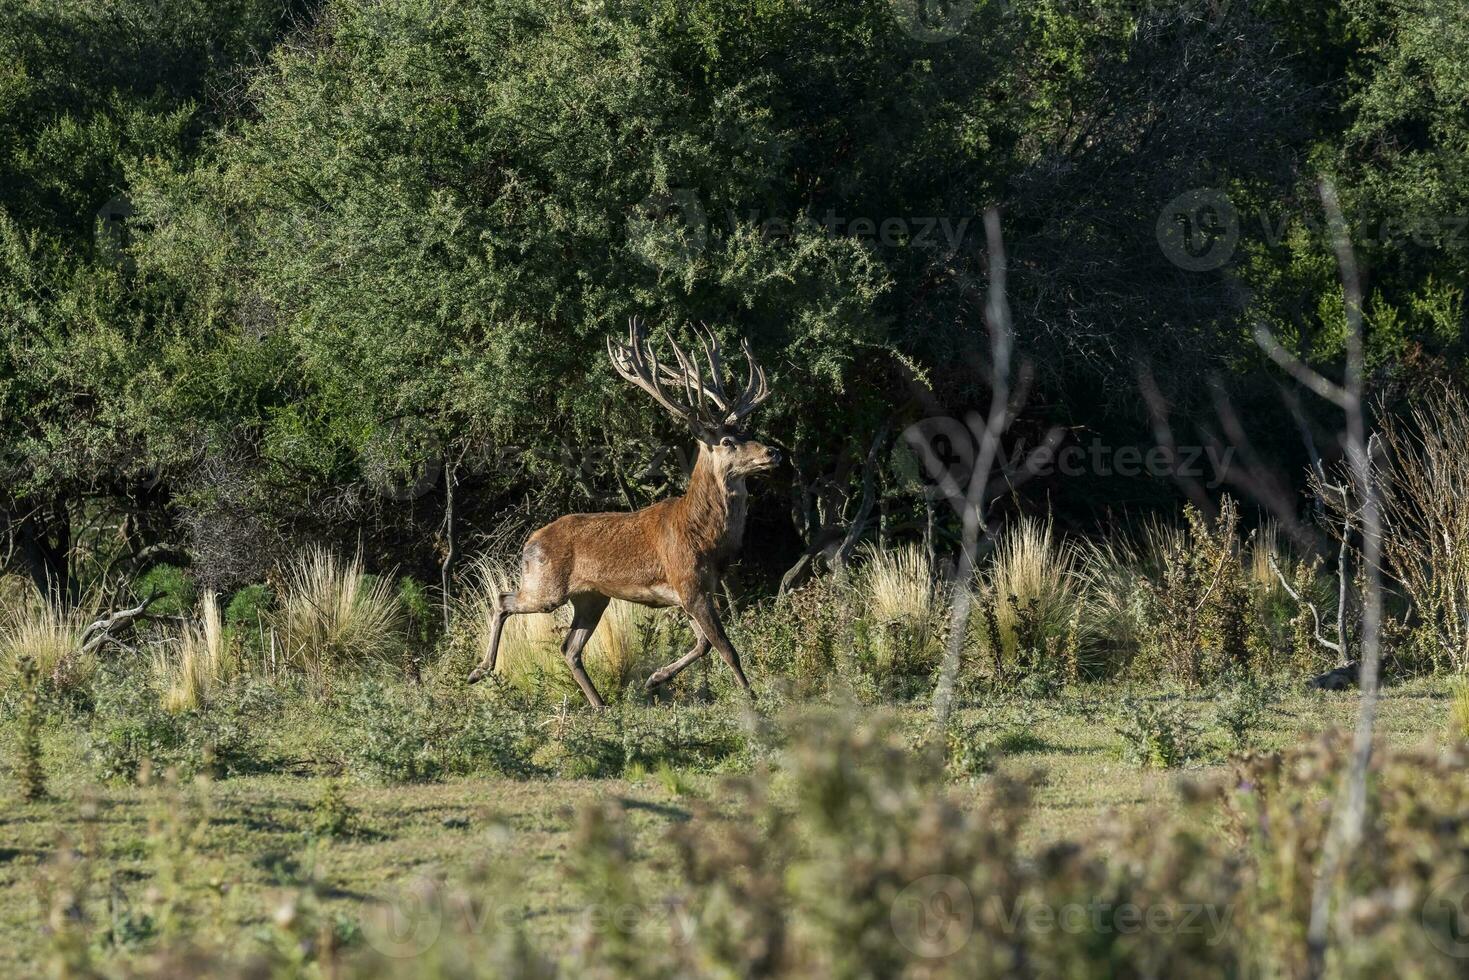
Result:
[728,442]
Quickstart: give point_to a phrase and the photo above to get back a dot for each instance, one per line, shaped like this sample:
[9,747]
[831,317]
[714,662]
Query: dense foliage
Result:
[279,270]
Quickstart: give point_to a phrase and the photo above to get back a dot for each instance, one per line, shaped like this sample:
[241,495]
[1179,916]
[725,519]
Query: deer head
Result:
[695,395]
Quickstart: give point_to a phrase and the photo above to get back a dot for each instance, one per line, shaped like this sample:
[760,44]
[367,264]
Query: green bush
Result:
[1157,734]
[177,593]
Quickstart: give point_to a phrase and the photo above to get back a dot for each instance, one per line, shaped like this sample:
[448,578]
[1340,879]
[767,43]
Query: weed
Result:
[30,774]
[51,638]
[1156,734]
[673,782]
[1030,592]
[1459,710]
[1241,709]
[202,661]
[970,755]
[331,814]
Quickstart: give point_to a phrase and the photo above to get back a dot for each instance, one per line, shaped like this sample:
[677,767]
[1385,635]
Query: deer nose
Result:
[775,457]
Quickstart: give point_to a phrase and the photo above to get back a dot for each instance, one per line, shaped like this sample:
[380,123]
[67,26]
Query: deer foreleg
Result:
[666,674]
[701,610]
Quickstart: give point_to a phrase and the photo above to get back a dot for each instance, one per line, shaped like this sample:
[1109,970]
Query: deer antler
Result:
[704,401]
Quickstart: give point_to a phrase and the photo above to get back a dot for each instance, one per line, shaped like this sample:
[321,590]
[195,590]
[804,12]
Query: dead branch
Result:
[1315,616]
[97,634]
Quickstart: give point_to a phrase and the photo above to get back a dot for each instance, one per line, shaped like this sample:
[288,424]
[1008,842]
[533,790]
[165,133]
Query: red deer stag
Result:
[667,554]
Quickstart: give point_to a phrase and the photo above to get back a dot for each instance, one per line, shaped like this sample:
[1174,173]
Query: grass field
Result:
[240,854]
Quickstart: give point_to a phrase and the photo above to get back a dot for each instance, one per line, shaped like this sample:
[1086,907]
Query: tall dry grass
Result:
[1114,600]
[899,587]
[333,615]
[1030,571]
[905,601]
[1264,548]
[51,636]
[198,662]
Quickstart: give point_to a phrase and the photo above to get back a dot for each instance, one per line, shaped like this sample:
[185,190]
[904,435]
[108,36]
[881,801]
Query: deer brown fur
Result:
[667,554]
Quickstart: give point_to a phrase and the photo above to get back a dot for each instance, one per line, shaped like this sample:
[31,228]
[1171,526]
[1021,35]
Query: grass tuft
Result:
[51,638]
[198,663]
[333,615]
[1032,586]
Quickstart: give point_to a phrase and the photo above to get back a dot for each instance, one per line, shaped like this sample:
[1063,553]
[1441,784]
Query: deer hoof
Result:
[476,676]
[654,683]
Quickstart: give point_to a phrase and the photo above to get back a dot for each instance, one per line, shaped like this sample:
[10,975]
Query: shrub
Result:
[1201,615]
[1425,511]
[331,814]
[970,754]
[1156,734]
[802,636]
[30,774]
[176,592]
[389,733]
[130,725]
[400,733]
[1240,709]
[333,615]
[498,734]
[247,626]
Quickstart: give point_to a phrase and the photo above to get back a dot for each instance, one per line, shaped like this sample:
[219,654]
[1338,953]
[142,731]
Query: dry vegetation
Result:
[1090,666]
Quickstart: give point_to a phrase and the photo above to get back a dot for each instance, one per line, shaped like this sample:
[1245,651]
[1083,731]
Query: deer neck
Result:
[713,508]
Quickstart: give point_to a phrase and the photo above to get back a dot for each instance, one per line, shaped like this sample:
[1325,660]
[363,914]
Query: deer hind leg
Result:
[512,604]
[588,611]
[701,610]
[666,674]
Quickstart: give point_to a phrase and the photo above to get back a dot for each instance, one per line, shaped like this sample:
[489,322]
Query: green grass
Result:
[258,845]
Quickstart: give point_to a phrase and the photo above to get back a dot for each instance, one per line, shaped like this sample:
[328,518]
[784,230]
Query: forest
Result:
[1100,370]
